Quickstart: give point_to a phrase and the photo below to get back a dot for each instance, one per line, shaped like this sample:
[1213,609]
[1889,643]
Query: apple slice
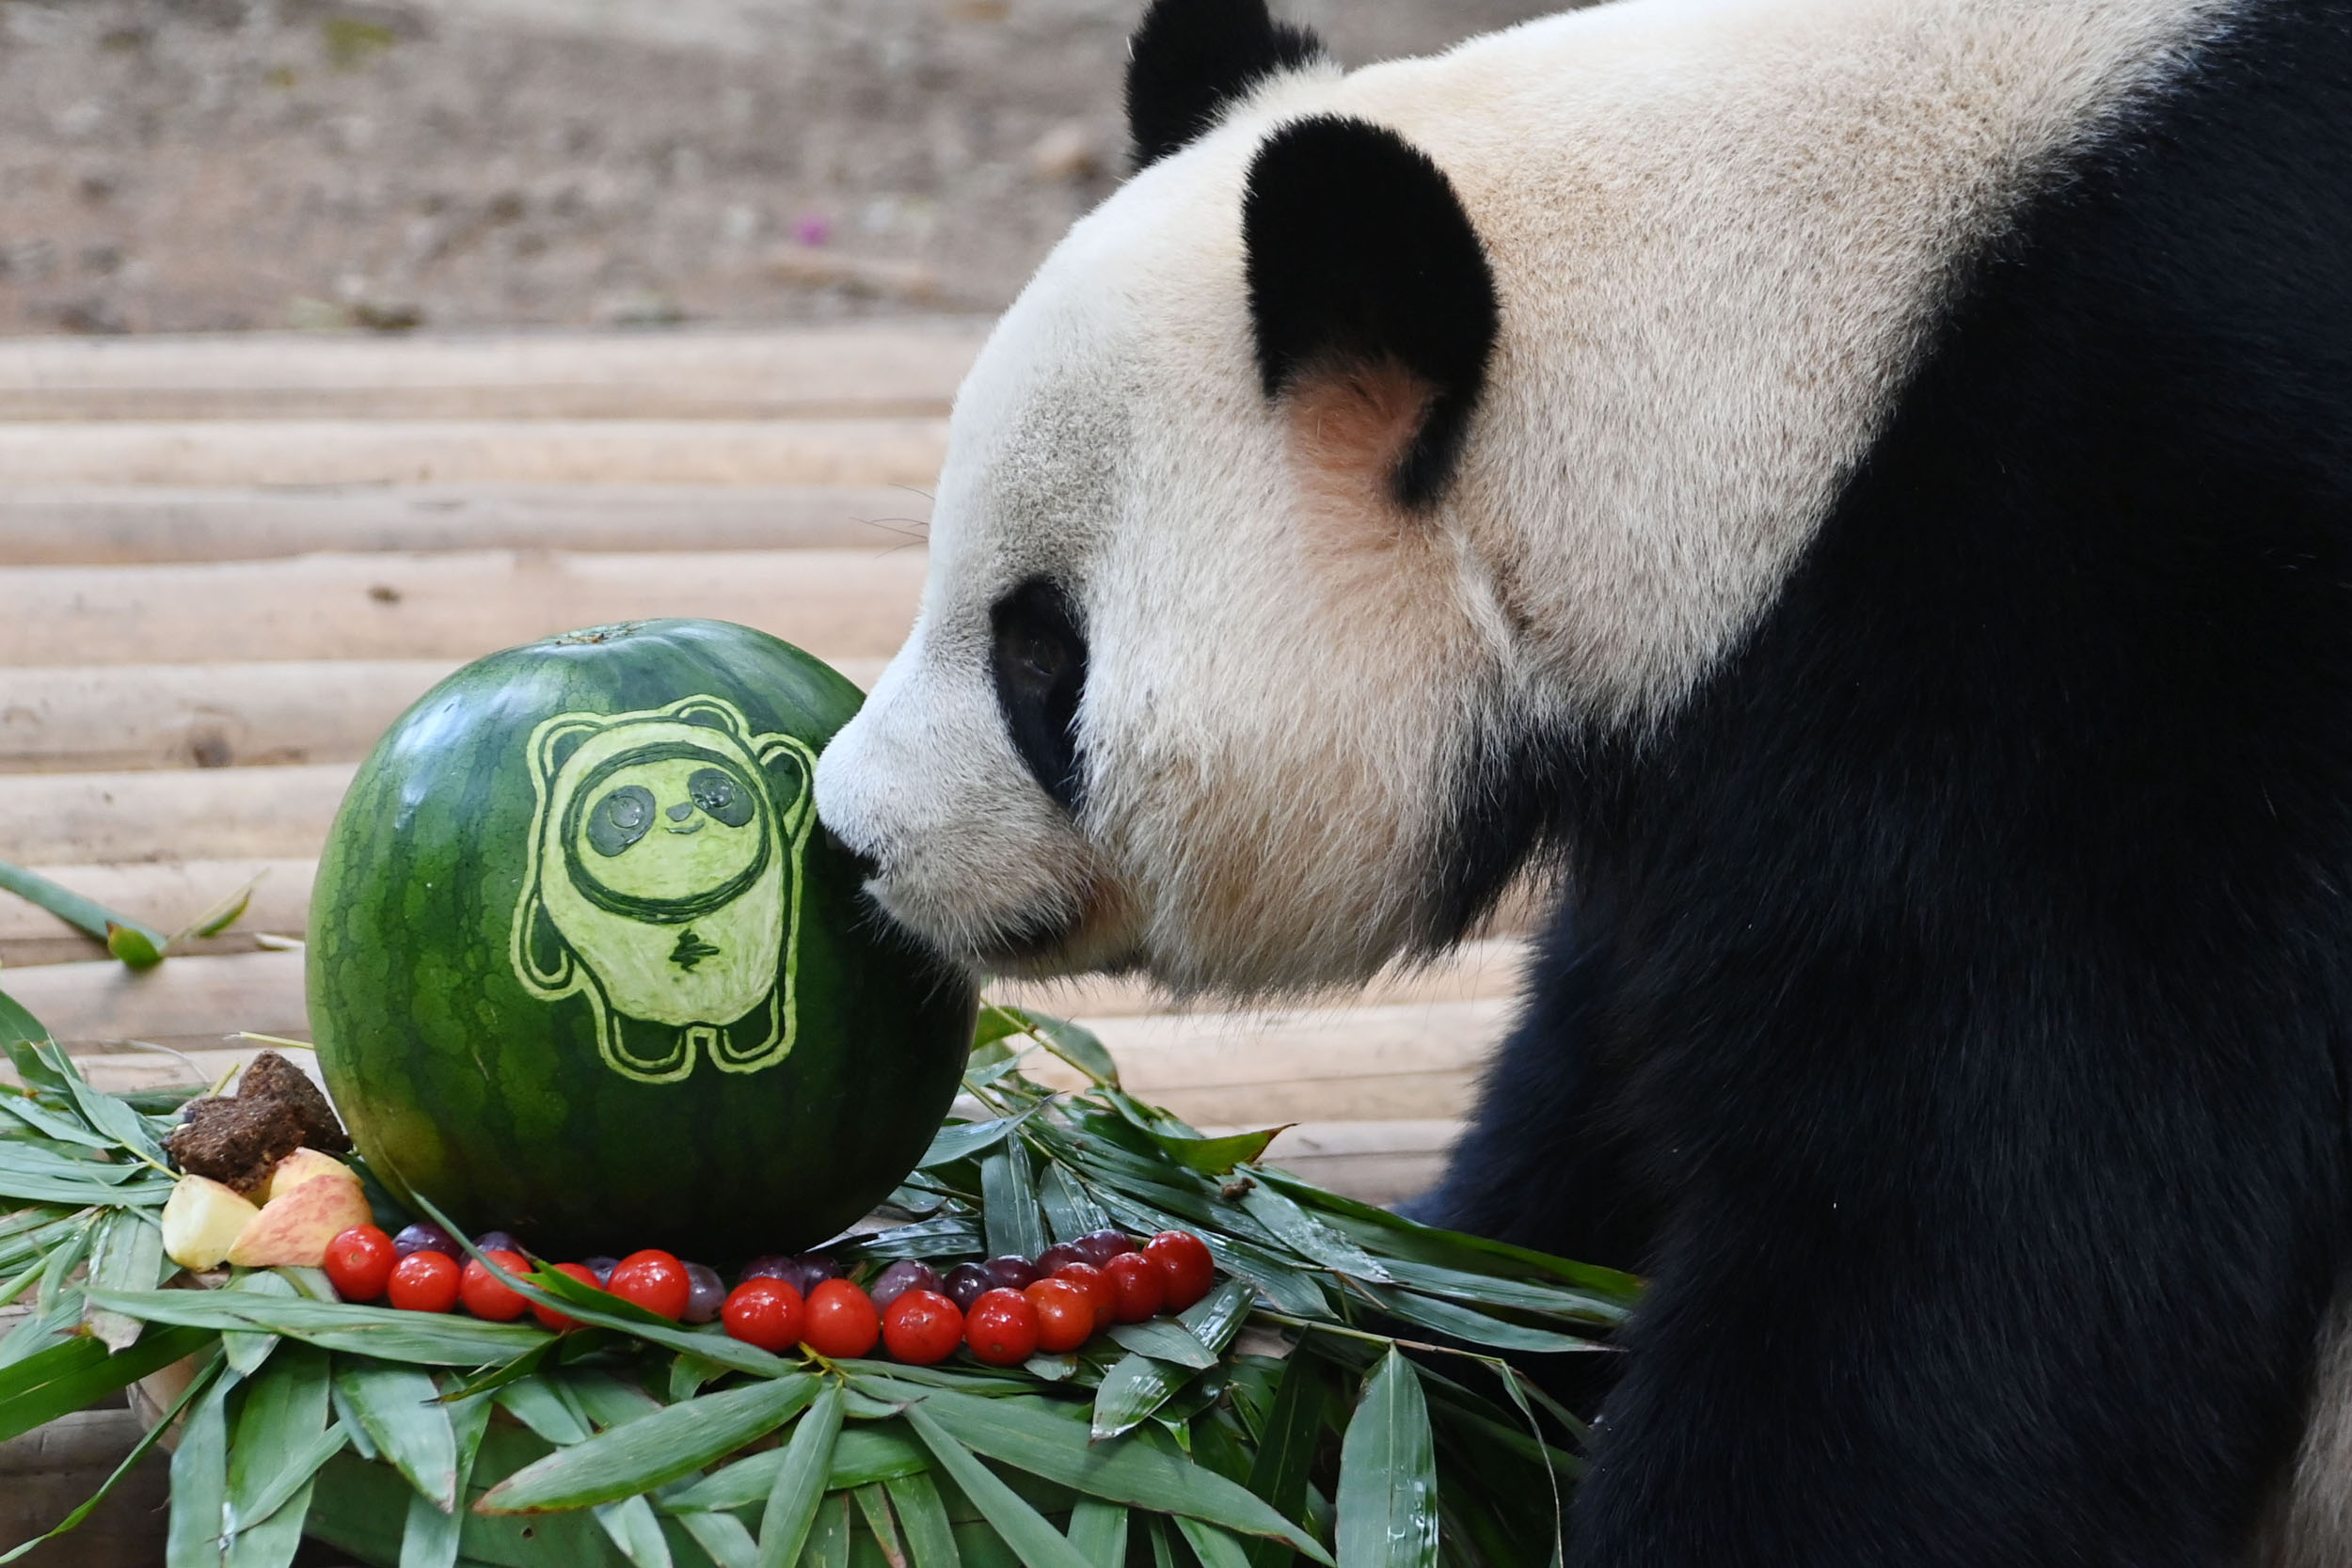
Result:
[294,1227]
[202,1221]
[303,1165]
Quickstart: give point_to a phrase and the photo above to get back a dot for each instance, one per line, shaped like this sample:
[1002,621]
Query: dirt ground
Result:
[203,164]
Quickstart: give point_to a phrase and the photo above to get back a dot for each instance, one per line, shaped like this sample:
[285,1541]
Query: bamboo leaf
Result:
[1467,1323]
[800,1481]
[1388,1496]
[950,1236]
[307,1462]
[652,1452]
[1099,1530]
[248,1348]
[996,1023]
[1069,1212]
[1309,1237]
[431,1538]
[1214,1547]
[962,1139]
[1078,1046]
[1138,1385]
[1286,1448]
[397,1408]
[874,1503]
[195,1388]
[1008,1194]
[135,945]
[861,1455]
[1117,1470]
[535,1402]
[85,914]
[222,914]
[1216,1156]
[86,1381]
[1036,1542]
[277,1427]
[720,1535]
[1164,1340]
[129,1257]
[200,1482]
[630,1525]
[829,1535]
[421,1338]
[930,1540]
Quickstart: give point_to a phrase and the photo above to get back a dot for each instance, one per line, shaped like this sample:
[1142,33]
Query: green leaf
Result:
[1036,1542]
[1138,1385]
[1388,1496]
[1279,1470]
[1078,1046]
[224,913]
[1216,1156]
[83,915]
[829,1535]
[421,1338]
[396,1407]
[1526,1295]
[200,1482]
[1069,1212]
[307,1462]
[53,1124]
[631,1526]
[82,1381]
[1463,1322]
[1099,1530]
[277,1427]
[800,1481]
[1309,1237]
[930,1540]
[537,1403]
[960,1140]
[1215,1548]
[950,1236]
[1008,1194]
[135,945]
[1164,1340]
[652,1452]
[195,1388]
[248,1348]
[431,1537]
[996,1023]
[129,1256]
[500,1376]
[1117,1470]
[720,1535]
[874,1504]
[18,1030]
[869,1452]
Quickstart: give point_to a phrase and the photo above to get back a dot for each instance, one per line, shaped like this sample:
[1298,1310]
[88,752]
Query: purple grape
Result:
[497,1241]
[427,1237]
[602,1268]
[1099,1247]
[705,1294]
[815,1268]
[1011,1272]
[1058,1257]
[906,1274]
[772,1265]
[967,1283]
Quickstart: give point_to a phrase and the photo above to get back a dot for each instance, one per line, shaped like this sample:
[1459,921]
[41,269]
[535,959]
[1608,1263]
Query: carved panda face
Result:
[662,826]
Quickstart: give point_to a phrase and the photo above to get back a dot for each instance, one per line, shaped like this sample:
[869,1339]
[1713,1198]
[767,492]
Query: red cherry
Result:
[1099,1289]
[1065,1313]
[654,1280]
[1138,1285]
[360,1262]
[423,1282]
[922,1327]
[1001,1328]
[1185,1267]
[764,1312]
[841,1320]
[484,1294]
[548,1317]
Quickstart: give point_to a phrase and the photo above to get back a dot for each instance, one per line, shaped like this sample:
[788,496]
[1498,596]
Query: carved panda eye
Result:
[620,819]
[716,791]
[1041,668]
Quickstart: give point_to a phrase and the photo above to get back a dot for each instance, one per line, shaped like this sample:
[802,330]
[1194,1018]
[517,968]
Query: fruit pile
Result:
[1003,1311]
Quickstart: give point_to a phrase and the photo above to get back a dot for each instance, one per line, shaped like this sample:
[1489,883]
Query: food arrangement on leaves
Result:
[582,969]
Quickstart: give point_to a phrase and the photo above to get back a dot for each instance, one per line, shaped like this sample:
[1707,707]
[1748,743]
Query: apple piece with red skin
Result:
[293,1229]
[303,1165]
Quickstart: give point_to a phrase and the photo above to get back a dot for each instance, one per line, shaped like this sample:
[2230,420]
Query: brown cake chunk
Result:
[270,1076]
[234,1140]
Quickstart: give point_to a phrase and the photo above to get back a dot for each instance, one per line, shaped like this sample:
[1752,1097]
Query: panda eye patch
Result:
[715,790]
[620,819]
[1040,664]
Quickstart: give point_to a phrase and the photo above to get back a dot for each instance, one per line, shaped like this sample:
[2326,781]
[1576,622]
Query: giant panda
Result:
[1861,491]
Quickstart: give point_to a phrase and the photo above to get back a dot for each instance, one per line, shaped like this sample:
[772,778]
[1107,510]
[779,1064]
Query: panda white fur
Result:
[1863,488]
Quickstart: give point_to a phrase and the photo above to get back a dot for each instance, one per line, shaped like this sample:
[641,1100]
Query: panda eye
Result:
[1039,661]
[620,819]
[715,790]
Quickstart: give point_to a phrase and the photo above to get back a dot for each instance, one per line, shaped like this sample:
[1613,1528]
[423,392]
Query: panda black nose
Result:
[680,812]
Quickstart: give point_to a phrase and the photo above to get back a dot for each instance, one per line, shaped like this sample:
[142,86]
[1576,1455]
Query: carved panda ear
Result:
[1188,58]
[1365,271]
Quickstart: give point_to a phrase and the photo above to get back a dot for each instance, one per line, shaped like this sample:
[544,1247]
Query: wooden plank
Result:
[1474,971]
[112,525]
[48,1472]
[864,368]
[883,451]
[165,894]
[1374,1162]
[180,998]
[170,814]
[853,604]
[99,718]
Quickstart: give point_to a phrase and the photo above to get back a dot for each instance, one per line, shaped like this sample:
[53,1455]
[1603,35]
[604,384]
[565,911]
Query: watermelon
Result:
[583,965]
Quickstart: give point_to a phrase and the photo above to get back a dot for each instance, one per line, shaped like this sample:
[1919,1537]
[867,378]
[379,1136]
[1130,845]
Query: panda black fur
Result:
[1913,612]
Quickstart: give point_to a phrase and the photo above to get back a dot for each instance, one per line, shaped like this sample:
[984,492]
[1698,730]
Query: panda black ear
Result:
[1188,58]
[1361,259]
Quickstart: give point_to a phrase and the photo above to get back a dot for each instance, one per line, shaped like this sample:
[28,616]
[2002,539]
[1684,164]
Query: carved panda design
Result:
[1858,491]
[663,884]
